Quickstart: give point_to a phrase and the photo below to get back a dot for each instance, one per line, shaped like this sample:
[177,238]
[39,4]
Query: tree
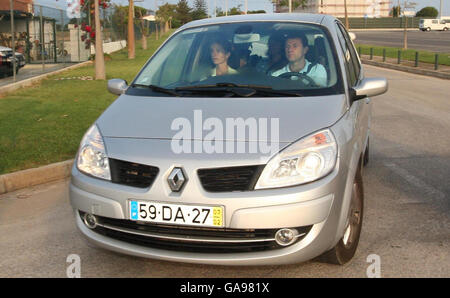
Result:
[395,11]
[200,10]
[120,20]
[427,12]
[140,12]
[166,13]
[256,11]
[183,12]
[99,57]
[295,3]
[93,32]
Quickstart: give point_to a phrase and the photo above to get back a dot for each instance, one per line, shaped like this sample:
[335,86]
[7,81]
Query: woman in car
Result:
[220,53]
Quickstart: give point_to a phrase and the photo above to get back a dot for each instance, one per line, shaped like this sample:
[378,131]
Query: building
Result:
[18,5]
[355,8]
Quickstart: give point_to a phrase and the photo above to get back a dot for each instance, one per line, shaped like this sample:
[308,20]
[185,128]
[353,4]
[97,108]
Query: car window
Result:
[247,53]
[350,69]
[353,54]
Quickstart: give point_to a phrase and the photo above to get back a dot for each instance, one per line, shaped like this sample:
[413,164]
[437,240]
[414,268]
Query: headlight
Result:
[308,159]
[92,158]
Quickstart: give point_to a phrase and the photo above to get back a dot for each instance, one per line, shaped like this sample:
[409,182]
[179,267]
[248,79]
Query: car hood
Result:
[183,117]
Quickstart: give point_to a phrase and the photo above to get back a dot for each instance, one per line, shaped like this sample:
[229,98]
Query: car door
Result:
[360,109]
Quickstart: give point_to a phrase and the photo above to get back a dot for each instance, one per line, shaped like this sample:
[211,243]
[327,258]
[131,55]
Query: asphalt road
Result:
[434,41]
[407,206]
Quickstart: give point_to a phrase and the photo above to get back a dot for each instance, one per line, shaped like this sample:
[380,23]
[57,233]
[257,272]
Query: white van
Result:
[433,24]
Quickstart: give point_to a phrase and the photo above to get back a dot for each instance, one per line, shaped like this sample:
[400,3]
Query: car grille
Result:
[132,174]
[230,178]
[191,239]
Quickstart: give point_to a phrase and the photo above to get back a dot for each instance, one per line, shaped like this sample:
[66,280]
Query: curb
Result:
[31,177]
[409,69]
[28,82]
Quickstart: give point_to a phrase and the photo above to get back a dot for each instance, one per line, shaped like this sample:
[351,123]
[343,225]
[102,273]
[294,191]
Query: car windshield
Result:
[244,59]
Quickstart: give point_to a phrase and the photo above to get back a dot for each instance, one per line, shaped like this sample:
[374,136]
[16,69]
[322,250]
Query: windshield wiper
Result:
[237,89]
[157,89]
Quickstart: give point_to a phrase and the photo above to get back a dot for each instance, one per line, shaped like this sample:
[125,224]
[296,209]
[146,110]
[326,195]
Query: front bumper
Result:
[316,204]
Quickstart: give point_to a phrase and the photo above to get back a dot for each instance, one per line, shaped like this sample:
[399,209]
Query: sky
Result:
[252,4]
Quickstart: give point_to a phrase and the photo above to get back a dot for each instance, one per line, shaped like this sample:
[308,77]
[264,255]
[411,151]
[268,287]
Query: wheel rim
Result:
[354,218]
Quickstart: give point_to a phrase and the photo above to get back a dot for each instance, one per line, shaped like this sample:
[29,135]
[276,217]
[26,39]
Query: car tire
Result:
[445,28]
[345,249]
[428,29]
[366,154]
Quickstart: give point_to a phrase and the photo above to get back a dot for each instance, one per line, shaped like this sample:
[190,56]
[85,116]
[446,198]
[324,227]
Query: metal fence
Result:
[51,35]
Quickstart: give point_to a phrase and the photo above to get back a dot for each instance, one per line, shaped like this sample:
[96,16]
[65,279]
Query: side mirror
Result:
[369,87]
[117,86]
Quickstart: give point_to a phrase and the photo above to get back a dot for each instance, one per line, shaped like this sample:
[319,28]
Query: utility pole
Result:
[290,6]
[131,51]
[13,40]
[440,10]
[226,7]
[405,34]
[156,22]
[346,15]
[99,58]
[246,6]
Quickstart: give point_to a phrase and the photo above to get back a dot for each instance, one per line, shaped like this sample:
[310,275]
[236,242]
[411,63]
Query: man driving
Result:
[296,47]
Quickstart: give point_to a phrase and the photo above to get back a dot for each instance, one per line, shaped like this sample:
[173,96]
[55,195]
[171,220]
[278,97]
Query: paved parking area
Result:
[32,70]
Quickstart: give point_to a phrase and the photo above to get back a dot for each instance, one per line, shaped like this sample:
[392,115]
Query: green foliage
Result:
[427,12]
[166,12]
[407,55]
[200,10]
[182,13]
[295,3]
[395,11]
[256,11]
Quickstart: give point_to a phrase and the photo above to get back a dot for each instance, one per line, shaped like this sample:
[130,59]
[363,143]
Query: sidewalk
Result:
[32,70]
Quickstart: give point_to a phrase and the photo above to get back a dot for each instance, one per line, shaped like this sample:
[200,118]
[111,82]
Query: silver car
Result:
[241,141]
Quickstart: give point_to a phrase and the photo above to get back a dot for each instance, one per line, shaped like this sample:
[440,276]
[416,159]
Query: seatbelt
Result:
[310,66]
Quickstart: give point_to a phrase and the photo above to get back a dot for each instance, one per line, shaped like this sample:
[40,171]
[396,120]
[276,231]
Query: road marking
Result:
[418,183]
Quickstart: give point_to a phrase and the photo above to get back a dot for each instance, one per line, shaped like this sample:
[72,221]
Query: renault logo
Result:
[176,179]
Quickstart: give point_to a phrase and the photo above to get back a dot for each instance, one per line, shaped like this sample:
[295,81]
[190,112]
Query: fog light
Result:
[285,237]
[90,221]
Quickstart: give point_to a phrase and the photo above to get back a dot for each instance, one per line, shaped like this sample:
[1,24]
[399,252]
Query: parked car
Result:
[6,61]
[210,158]
[433,24]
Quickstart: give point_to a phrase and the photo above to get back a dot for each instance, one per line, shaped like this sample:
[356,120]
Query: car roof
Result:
[290,17]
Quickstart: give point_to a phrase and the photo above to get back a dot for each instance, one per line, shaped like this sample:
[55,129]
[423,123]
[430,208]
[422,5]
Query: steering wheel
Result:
[301,76]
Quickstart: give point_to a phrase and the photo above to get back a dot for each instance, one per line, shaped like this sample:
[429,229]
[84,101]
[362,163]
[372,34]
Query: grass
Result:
[44,124]
[424,56]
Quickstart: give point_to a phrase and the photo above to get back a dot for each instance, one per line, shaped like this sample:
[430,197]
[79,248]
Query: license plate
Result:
[204,216]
